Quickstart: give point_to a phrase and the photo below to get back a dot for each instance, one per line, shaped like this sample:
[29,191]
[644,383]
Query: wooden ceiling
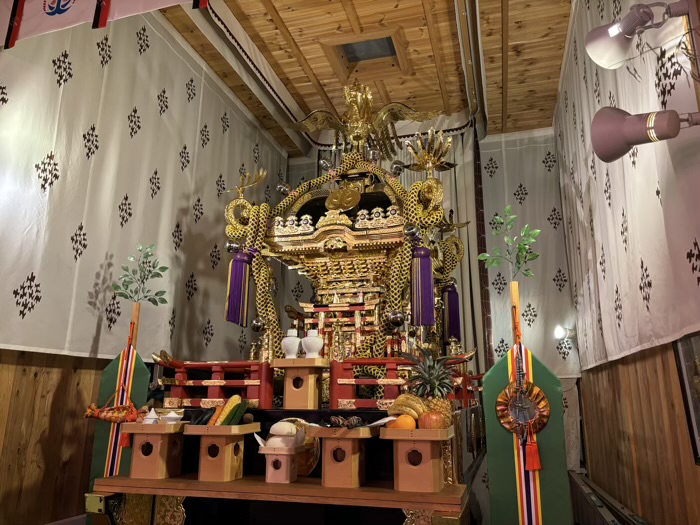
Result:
[186,27]
[290,34]
[521,89]
[297,38]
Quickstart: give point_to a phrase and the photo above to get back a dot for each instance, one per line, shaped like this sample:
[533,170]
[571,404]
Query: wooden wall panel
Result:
[637,441]
[45,444]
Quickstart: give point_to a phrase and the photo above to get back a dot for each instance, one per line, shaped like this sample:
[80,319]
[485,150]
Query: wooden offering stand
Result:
[418,458]
[221,450]
[157,449]
[343,456]
[281,464]
[302,382]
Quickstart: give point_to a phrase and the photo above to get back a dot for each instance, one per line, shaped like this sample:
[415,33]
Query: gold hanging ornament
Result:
[343,199]
[429,153]
[361,125]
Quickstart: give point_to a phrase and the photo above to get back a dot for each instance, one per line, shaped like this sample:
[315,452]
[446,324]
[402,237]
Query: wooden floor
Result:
[637,438]
[451,500]
[45,444]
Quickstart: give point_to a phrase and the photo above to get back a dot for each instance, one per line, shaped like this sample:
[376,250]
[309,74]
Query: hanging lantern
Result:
[422,291]
[238,286]
[450,314]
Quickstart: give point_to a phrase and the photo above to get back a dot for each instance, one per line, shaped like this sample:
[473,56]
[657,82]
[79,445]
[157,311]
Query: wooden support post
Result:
[515,312]
[391,391]
[179,391]
[216,391]
[135,315]
[265,386]
[336,373]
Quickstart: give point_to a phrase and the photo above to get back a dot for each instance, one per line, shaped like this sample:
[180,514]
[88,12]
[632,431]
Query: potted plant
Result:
[518,252]
[133,284]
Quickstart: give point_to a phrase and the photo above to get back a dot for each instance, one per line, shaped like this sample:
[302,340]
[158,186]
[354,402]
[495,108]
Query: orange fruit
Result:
[403,422]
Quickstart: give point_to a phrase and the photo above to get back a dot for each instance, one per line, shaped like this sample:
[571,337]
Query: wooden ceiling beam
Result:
[183,23]
[504,65]
[296,51]
[352,15]
[437,55]
[381,89]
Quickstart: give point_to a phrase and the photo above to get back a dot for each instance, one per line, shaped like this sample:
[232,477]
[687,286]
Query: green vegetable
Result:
[207,416]
[238,413]
[232,403]
[202,416]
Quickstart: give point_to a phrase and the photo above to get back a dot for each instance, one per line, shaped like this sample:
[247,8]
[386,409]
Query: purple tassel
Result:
[238,286]
[450,314]
[422,291]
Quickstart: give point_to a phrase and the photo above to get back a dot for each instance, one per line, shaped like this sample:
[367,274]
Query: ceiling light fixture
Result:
[614,132]
[609,45]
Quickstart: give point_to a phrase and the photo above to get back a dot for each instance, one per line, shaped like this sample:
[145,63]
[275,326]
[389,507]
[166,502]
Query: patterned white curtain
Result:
[110,138]
[520,170]
[632,225]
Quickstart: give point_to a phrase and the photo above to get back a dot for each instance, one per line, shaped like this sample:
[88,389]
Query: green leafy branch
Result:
[133,283]
[518,249]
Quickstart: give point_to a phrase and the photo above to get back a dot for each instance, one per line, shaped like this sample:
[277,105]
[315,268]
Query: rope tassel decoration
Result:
[238,287]
[532,451]
[450,314]
[422,291]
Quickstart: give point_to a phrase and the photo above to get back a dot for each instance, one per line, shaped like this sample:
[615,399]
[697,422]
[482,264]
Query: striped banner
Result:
[519,496]
[527,482]
[125,376]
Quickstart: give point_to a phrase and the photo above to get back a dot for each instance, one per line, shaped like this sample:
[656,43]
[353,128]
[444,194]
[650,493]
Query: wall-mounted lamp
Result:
[561,332]
[614,132]
[609,45]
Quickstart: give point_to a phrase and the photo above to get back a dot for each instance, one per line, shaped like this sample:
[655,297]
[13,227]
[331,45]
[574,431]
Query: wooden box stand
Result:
[221,450]
[302,382]
[280,464]
[343,459]
[418,458]
[157,449]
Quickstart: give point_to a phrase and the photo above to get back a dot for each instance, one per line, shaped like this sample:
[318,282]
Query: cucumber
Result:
[239,413]
[195,420]
[207,416]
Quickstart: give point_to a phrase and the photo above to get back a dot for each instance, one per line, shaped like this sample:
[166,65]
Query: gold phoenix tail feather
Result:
[361,125]
[429,153]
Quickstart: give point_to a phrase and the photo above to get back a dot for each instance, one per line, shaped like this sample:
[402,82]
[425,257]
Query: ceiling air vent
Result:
[370,55]
[369,49]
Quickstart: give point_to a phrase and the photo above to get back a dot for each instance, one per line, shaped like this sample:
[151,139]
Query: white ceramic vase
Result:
[291,344]
[151,418]
[312,344]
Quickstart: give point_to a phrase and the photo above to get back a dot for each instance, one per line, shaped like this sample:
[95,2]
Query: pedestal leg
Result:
[343,463]
[220,458]
[169,510]
[132,509]
[429,517]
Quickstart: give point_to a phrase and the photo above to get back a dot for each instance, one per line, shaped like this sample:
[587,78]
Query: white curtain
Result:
[110,138]
[632,225]
[520,170]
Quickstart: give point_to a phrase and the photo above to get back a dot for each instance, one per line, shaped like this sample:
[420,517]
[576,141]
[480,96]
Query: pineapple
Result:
[432,379]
